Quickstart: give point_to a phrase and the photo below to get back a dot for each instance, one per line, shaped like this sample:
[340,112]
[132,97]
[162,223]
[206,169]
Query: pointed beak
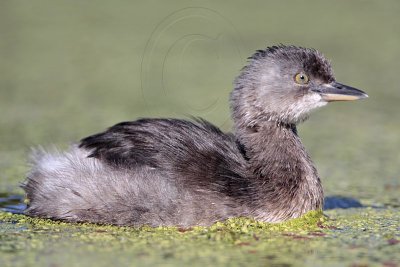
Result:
[339,92]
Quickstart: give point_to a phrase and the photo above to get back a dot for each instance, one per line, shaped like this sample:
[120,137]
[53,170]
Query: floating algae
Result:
[312,238]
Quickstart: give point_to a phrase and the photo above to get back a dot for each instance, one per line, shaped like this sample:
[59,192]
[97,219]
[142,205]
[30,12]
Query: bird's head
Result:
[284,84]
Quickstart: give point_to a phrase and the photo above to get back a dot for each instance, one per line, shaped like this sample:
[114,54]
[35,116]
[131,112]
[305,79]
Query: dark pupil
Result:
[302,77]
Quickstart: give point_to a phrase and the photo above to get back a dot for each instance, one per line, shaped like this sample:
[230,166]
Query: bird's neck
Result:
[270,142]
[284,175]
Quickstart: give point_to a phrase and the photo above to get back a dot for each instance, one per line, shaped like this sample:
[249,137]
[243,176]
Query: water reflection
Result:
[12,203]
[339,202]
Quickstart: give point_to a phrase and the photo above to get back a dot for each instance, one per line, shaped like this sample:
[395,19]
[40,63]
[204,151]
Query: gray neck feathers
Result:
[283,172]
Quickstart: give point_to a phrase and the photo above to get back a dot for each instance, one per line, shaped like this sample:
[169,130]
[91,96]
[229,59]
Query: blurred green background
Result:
[72,68]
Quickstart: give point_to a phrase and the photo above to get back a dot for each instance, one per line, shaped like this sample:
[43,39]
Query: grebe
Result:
[184,173]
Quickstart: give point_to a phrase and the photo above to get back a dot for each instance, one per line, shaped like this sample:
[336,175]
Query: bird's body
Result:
[185,173]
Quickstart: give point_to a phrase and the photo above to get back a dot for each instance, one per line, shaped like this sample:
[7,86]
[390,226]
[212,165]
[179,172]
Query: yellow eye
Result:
[301,78]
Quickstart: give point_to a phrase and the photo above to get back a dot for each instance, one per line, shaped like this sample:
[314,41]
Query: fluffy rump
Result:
[70,186]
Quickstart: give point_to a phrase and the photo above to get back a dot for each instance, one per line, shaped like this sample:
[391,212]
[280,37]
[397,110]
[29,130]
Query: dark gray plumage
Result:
[184,173]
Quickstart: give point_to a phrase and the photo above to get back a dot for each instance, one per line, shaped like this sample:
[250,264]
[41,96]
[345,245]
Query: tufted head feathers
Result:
[284,84]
